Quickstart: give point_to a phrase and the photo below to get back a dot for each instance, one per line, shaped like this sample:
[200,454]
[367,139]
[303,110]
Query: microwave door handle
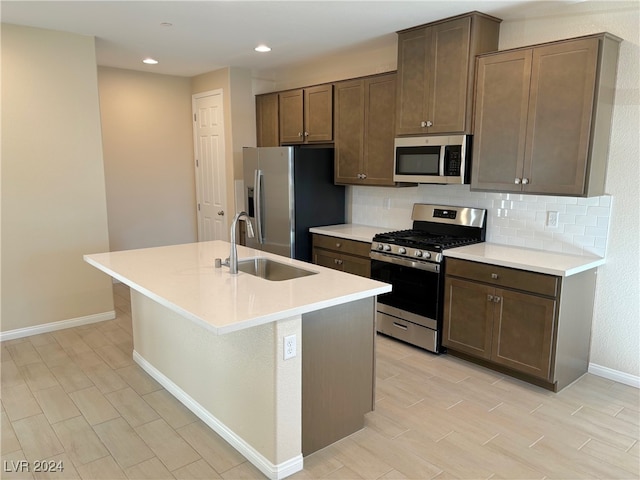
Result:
[443,153]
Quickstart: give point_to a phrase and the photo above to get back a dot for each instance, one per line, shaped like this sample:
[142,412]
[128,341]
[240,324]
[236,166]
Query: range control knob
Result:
[387,248]
[402,250]
[427,254]
[418,253]
[380,246]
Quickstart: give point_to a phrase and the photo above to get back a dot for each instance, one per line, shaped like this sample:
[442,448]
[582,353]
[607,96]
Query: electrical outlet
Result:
[552,219]
[290,349]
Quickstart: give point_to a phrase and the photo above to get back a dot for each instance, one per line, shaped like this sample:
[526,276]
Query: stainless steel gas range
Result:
[412,261]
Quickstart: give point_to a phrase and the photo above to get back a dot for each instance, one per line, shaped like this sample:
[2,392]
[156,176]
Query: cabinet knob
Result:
[338,244]
[364,175]
[489,298]
[496,299]
[306,134]
[494,276]
[300,134]
[517,181]
[525,181]
[426,124]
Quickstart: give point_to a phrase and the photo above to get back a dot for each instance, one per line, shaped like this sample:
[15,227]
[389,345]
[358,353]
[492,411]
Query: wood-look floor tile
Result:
[199,470]
[38,376]
[318,465]
[104,378]
[93,405]
[124,444]
[138,379]
[79,440]
[42,339]
[346,473]
[95,338]
[37,438]
[613,456]
[169,447]
[132,407]
[104,468]
[11,376]
[151,469]
[71,377]
[114,357]
[170,409]
[19,402]
[358,459]
[211,447]
[244,471]
[71,341]
[56,404]
[23,353]
[53,354]
[118,336]
[8,440]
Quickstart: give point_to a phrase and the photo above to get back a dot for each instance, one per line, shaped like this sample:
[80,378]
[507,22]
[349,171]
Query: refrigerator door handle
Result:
[258,205]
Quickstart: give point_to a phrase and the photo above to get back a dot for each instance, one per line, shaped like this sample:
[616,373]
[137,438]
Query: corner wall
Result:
[53,191]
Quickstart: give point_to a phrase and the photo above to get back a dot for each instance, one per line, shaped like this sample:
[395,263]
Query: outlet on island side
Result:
[290,347]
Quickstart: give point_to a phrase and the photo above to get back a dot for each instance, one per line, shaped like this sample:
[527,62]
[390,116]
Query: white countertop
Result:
[183,279]
[351,231]
[552,263]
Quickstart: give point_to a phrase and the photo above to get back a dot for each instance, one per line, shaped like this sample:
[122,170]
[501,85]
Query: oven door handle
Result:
[406,262]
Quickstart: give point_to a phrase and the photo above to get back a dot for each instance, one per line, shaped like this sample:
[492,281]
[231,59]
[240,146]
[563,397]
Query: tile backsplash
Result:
[512,219]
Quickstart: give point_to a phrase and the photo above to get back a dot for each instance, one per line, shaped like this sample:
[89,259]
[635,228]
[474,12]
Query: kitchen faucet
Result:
[232,261]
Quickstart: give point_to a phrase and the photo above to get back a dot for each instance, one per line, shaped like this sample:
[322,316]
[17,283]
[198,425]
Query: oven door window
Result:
[418,160]
[414,290]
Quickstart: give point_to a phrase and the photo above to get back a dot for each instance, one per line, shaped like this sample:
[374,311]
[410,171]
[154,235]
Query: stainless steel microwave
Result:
[432,159]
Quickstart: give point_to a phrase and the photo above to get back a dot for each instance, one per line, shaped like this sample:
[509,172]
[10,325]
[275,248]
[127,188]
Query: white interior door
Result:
[211,189]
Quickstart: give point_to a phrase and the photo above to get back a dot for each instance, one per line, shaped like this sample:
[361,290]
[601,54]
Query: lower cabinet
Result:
[530,325]
[342,254]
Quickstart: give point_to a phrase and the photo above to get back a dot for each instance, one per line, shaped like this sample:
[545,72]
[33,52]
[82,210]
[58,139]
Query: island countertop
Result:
[183,278]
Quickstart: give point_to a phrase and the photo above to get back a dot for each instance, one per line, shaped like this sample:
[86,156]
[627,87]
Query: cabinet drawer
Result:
[342,245]
[343,262]
[504,277]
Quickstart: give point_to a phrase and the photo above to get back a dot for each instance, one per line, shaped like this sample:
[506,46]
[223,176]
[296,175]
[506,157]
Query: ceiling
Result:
[208,35]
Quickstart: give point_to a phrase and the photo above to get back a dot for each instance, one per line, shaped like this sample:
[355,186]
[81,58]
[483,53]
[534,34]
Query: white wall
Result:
[53,193]
[148,158]
[518,219]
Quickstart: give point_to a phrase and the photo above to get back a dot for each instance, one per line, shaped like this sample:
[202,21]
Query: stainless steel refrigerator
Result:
[288,190]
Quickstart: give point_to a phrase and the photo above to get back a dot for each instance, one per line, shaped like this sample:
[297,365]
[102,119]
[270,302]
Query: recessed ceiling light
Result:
[262,48]
[150,61]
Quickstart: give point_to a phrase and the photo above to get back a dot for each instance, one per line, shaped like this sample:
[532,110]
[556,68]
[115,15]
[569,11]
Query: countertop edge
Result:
[583,263]
[350,231]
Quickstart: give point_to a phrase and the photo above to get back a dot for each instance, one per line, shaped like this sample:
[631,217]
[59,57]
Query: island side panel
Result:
[239,378]
[338,369]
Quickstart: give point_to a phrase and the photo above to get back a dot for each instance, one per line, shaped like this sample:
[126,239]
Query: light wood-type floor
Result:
[75,396]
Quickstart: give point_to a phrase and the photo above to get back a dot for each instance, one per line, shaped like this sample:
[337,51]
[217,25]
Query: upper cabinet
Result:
[306,115]
[436,65]
[267,120]
[364,130]
[543,117]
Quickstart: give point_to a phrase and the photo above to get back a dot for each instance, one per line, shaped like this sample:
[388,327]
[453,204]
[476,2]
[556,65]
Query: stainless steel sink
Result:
[271,270]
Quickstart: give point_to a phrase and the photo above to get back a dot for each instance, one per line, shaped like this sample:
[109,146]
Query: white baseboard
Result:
[271,470]
[53,326]
[615,375]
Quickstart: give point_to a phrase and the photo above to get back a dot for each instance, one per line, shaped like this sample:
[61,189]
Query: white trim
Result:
[53,326]
[615,375]
[274,472]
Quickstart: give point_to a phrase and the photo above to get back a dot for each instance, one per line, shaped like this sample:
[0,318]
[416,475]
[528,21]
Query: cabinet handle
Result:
[525,181]
[306,134]
[517,181]
[494,276]
[489,298]
[401,327]
[337,261]
[497,299]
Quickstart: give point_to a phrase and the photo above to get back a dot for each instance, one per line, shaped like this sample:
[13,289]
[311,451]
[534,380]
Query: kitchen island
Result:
[216,341]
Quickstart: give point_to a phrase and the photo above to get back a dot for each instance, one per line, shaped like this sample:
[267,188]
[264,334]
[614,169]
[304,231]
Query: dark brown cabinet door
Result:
[291,118]
[364,130]
[448,76]
[523,332]
[413,52]
[502,99]
[318,113]
[349,130]
[267,131]
[379,129]
[561,102]
[468,317]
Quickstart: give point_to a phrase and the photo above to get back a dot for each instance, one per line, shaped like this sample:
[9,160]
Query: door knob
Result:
[221,213]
